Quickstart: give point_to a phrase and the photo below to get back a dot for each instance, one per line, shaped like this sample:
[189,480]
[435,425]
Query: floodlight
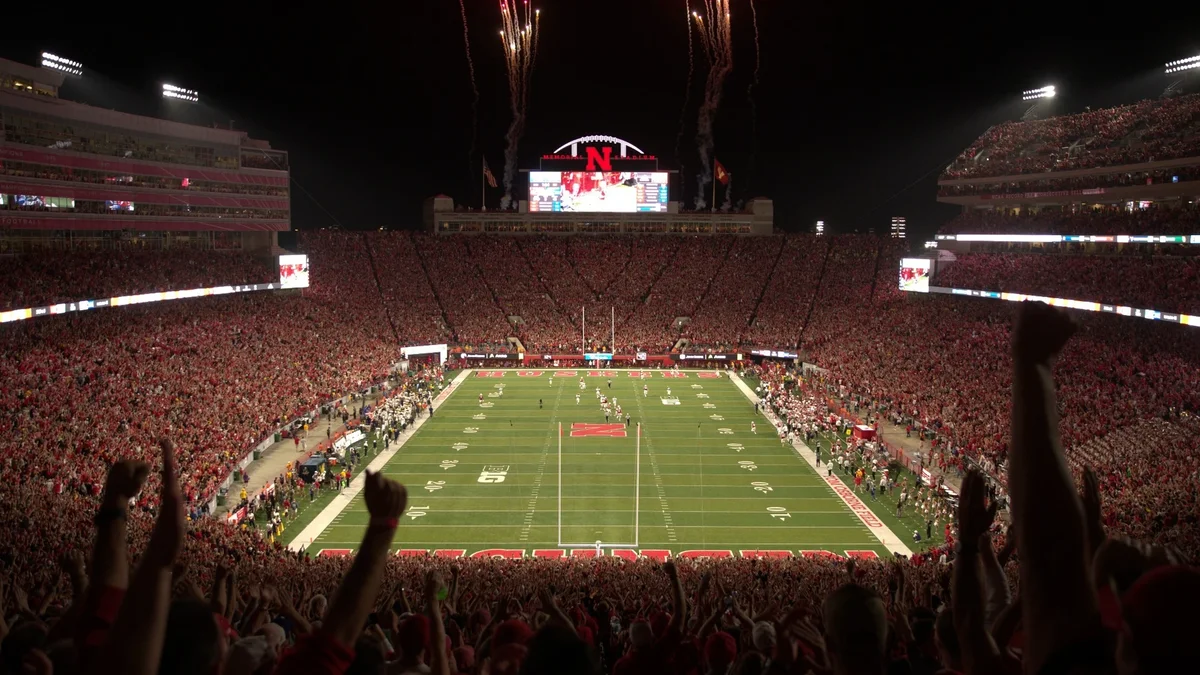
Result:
[1183,64]
[1041,92]
[62,65]
[171,91]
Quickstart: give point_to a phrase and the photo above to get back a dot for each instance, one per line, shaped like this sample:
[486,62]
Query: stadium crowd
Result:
[44,278]
[1165,283]
[204,597]
[1089,182]
[1147,131]
[1102,221]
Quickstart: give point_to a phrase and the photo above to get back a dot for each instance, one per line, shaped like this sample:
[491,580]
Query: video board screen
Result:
[293,271]
[599,192]
[914,275]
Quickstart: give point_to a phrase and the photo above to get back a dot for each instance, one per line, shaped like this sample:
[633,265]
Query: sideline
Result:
[846,494]
[325,518]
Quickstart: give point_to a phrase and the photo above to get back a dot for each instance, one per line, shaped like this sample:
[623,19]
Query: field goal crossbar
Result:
[637,497]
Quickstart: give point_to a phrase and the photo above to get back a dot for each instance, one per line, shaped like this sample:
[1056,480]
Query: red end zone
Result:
[586,429]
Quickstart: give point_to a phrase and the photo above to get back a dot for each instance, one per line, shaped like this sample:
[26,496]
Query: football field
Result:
[534,468]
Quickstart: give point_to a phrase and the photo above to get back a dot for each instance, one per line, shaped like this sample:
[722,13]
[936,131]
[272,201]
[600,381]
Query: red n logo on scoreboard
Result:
[594,157]
[585,429]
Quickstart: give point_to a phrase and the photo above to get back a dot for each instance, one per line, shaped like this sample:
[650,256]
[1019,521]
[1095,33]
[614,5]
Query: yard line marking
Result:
[537,481]
[662,498]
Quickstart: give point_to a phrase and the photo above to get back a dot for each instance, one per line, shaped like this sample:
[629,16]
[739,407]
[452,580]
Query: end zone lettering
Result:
[864,512]
[588,429]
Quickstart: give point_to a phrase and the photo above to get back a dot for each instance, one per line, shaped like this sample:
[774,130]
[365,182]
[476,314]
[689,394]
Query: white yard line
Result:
[537,481]
[333,512]
[835,484]
[668,518]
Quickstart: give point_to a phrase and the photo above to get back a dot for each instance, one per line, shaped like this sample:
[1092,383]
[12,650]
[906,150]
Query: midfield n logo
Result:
[585,429]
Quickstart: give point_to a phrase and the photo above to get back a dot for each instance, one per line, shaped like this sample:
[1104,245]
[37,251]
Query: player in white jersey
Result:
[597,392]
[599,549]
[576,399]
[668,391]
[754,428]
[645,390]
[582,385]
[551,380]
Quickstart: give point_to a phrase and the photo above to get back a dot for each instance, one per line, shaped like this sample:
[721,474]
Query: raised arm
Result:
[355,598]
[1059,605]
[135,644]
[979,652]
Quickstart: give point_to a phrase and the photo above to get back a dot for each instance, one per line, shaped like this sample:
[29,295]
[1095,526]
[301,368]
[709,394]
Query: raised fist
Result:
[125,479]
[1041,332]
[385,498]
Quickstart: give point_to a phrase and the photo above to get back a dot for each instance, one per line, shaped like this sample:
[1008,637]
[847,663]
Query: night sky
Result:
[858,106]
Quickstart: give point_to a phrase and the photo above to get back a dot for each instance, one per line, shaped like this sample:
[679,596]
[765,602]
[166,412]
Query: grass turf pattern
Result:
[486,475]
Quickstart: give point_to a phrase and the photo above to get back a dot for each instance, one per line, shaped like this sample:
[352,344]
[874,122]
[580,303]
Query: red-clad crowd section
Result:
[1148,131]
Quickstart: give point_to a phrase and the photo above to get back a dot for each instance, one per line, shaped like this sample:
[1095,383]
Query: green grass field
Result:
[490,476]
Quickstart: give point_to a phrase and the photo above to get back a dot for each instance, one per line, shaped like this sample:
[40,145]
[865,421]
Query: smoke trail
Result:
[687,92]
[474,86]
[728,195]
[520,41]
[716,38]
[750,95]
[515,131]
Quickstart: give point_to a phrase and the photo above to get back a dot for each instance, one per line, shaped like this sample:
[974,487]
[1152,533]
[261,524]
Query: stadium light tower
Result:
[54,62]
[1183,64]
[180,94]
[1041,92]
[1040,98]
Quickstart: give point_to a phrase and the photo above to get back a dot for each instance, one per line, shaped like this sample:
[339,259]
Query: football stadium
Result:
[578,415]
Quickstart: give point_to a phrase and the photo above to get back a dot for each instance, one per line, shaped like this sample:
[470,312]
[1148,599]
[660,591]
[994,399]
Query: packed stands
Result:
[520,293]
[1099,221]
[678,292]
[622,270]
[43,278]
[218,374]
[470,306]
[788,292]
[1124,179]
[1165,283]
[1147,131]
[550,259]
[726,309]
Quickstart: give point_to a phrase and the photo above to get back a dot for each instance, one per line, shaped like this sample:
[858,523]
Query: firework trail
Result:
[687,92]
[717,40]
[750,92]
[520,40]
[728,195]
[474,87]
